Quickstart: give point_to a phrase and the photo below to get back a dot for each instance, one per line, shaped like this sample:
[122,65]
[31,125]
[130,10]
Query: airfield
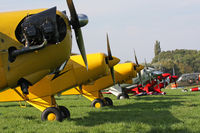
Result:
[48,87]
[176,111]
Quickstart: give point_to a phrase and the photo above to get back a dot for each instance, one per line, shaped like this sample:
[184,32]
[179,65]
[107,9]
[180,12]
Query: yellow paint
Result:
[129,81]
[51,117]
[75,73]
[32,66]
[10,95]
[43,102]
[3,83]
[113,62]
[97,105]
[123,73]
[91,95]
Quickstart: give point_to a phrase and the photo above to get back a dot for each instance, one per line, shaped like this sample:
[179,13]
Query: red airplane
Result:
[154,86]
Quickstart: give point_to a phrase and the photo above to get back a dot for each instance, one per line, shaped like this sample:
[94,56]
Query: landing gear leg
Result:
[50,110]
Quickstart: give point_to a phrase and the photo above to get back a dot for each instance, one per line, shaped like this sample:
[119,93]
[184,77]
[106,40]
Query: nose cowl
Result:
[113,62]
[139,68]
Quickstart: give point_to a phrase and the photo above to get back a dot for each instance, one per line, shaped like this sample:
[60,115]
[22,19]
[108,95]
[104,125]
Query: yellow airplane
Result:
[123,74]
[75,73]
[36,43]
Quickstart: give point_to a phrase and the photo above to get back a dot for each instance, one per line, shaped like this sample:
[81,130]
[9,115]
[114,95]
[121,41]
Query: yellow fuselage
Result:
[74,74]
[32,66]
[123,73]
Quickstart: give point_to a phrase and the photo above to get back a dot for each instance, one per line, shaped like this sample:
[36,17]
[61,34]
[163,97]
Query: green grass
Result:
[176,112]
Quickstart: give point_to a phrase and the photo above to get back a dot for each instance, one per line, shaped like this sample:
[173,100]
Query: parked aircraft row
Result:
[36,62]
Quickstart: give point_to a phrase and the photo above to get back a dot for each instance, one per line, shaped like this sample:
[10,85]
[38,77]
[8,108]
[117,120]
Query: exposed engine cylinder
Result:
[36,28]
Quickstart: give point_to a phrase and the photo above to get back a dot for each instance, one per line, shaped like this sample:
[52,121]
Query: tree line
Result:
[179,60]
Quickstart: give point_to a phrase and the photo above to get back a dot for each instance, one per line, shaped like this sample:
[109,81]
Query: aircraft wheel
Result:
[126,95]
[97,103]
[51,114]
[64,112]
[123,96]
[109,101]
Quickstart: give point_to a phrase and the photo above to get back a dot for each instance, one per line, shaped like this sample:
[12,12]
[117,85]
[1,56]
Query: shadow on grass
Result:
[69,97]
[14,105]
[161,98]
[169,130]
[186,94]
[26,117]
[30,118]
[153,114]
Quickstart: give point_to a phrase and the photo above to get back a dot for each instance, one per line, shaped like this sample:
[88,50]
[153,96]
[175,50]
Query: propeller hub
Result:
[139,68]
[83,20]
[113,62]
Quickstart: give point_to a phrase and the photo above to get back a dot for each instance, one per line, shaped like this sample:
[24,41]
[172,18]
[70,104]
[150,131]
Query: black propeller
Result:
[78,33]
[110,58]
[108,48]
[139,73]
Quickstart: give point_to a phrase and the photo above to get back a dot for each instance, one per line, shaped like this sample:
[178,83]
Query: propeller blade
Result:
[79,39]
[108,48]
[109,58]
[78,33]
[112,74]
[74,17]
[139,73]
[136,61]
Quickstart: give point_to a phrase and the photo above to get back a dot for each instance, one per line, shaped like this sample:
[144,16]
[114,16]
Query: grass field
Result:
[176,112]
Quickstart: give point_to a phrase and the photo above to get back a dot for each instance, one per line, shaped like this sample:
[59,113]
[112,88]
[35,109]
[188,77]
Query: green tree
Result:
[182,60]
[157,48]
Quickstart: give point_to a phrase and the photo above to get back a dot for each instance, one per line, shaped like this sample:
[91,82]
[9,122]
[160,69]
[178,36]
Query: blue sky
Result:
[131,24]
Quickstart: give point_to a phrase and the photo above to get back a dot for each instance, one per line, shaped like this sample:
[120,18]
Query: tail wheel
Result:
[108,101]
[64,112]
[51,114]
[97,103]
[123,96]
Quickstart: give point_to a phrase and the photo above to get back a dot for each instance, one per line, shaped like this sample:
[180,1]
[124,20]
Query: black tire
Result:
[123,96]
[126,95]
[51,111]
[64,112]
[108,101]
[97,103]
